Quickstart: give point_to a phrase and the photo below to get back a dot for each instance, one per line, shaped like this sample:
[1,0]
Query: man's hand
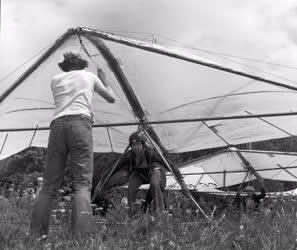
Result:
[100,73]
[106,92]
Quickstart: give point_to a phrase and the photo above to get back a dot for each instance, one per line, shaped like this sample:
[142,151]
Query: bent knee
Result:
[156,165]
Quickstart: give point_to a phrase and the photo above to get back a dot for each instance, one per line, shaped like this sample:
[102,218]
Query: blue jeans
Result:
[156,179]
[69,136]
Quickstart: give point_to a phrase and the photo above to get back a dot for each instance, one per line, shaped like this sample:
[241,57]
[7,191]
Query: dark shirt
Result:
[129,159]
[239,200]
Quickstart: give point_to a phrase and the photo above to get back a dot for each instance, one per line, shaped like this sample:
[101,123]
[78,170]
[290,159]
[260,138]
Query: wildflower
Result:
[188,211]
[165,212]
[101,247]
[48,246]
[98,209]
[101,221]
[61,191]
[103,232]
[58,244]
[171,244]
[241,227]
[103,228]
[124,201]
[67,198]
[154,238]
[152,218]
[42,238]
[267,212]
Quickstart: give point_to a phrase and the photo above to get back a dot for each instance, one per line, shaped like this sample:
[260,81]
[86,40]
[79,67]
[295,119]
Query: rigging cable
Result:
[182,45]
[83,47]
[224,57]
[37,54]
[179,44]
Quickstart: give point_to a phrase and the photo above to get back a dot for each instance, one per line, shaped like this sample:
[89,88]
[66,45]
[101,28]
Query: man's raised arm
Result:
[102,87]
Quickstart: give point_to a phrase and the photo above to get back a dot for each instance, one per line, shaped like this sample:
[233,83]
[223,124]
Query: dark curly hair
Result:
[72,61]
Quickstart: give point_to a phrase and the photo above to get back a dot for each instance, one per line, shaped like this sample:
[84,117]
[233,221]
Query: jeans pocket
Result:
[81,134]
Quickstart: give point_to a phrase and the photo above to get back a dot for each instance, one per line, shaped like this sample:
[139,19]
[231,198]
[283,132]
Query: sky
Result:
[259,29]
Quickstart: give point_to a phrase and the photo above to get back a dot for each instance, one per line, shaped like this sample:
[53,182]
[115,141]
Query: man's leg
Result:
[119,178]
[53,176]
[80,142]
[135,181]
[155,189]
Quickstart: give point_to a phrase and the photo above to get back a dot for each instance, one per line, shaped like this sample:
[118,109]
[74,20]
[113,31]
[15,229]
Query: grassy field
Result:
[274,227]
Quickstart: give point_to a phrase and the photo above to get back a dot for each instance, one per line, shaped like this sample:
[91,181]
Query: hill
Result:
[24,167]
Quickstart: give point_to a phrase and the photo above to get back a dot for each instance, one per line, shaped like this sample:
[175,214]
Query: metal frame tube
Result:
[183,187]
[122,124]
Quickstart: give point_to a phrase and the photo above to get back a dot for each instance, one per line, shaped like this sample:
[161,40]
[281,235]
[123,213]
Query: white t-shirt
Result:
[73,91]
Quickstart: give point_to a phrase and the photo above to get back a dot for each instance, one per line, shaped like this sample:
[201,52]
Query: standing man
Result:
[71,135]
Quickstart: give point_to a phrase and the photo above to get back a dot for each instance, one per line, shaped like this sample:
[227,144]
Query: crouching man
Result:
[144,166]
[251,201]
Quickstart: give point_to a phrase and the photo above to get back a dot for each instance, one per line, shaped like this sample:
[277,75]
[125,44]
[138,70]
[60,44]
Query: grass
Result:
[274,227]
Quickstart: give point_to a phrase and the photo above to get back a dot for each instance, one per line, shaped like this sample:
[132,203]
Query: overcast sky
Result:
[260,29]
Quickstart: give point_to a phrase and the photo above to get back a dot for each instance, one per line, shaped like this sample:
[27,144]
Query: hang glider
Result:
[188,102]
[232,166]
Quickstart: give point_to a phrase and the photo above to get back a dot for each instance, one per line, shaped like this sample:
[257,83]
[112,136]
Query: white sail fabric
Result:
[162,85]
[274,166]
[226,168]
